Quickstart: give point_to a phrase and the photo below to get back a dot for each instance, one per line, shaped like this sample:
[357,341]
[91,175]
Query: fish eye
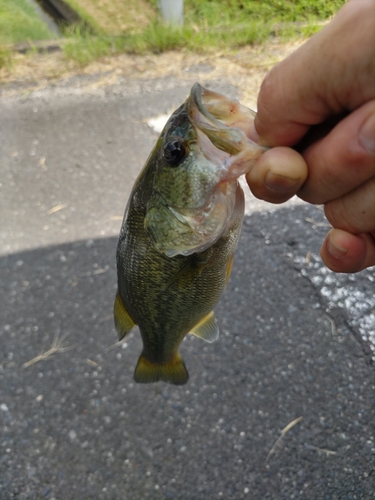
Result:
[174,152]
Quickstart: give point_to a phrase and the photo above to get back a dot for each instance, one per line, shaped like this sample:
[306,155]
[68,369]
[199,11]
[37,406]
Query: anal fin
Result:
[174,372]
[123,322]
[207,328]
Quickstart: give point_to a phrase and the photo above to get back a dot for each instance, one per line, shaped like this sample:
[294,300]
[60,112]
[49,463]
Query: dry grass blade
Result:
[283,432]
[125,340]
[324,450]
[92,363]
[106,318]
[333,325]
[57,208]
[57,346]
[113,346]
[316,223]
[100,271]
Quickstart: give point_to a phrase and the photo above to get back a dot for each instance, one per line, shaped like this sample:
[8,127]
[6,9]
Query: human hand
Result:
[330,78]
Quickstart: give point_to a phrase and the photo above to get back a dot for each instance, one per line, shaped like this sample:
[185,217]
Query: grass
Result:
[19,22]
[5,57]
[115,18]
[134,26]
[240,11]
[57,346]
[208,24]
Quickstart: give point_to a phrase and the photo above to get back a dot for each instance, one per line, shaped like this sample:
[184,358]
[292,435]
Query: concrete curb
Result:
[40,46]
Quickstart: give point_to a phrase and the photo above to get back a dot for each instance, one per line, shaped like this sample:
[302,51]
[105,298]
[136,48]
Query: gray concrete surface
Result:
[75,425]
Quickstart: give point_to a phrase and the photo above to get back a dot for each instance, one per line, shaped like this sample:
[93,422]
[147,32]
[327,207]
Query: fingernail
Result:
[367,134]
[281,182]
[253,134]
[336,250]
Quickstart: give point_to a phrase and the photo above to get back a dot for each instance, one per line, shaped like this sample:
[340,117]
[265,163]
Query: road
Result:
[280,407]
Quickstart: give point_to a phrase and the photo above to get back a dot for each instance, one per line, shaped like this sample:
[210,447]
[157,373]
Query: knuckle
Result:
[355,211]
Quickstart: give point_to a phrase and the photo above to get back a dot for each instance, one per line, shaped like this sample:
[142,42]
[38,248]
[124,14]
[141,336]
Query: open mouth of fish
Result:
[223,127]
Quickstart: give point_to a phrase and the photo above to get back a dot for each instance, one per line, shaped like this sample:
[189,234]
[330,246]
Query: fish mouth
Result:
[226,124]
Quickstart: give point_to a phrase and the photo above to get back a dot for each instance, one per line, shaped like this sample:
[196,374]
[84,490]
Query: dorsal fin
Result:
[207,328]
[123,322]
[174,371]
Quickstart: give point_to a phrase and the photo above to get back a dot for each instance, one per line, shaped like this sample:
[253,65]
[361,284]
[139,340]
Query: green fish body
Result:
[180,230]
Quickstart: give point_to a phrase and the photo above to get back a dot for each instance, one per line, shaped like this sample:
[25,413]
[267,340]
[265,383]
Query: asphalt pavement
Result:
[280,407]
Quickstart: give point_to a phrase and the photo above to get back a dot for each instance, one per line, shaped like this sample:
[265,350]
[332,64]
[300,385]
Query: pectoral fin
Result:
[207,328]
[123,322]
[174,372]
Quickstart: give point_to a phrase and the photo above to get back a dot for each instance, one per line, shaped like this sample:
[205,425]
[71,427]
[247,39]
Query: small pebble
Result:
[72,435]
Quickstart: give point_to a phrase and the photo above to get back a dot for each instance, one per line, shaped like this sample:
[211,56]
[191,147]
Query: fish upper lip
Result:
[196,101]
[226,130]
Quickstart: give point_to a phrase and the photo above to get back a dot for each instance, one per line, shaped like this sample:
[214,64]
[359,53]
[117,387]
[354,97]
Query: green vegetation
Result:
[115,17]
[210,24]
[19,22]
[133,25]
[87,19]
[219,12]
[5,57]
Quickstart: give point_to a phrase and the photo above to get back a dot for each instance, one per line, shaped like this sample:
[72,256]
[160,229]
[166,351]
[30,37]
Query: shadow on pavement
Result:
[75,425]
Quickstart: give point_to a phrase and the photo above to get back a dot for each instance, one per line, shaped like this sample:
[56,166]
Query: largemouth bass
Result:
[180,230]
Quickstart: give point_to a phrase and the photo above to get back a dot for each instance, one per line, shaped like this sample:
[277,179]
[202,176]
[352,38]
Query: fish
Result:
[180,230]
